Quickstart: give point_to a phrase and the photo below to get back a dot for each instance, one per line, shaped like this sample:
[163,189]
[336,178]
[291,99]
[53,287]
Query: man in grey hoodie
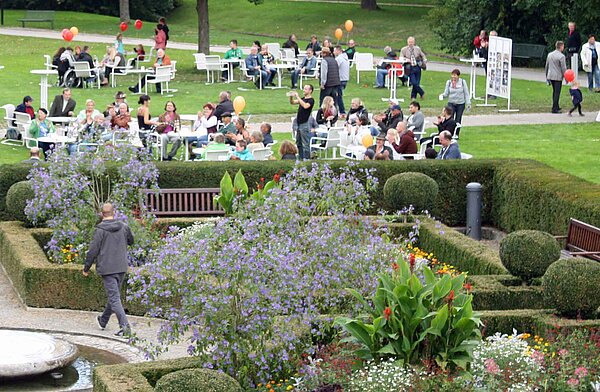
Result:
[109,250]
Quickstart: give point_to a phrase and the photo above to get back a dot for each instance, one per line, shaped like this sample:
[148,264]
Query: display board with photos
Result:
[499,67]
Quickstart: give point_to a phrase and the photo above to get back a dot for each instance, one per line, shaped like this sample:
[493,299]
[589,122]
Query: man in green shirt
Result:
[228,129]
[233,53]
[218,144]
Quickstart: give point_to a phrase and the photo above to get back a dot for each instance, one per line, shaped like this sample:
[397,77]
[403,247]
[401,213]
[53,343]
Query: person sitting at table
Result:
[416,119]
[350,50]
[233,53]
[119,99]
[288,150]
[256,141]
[145,122]
[450,149]
[85,56]
[255,66]
[34,156]
[168,129]
[268,63]
[228,129]
[218,144]
[225,105]
[384,67]
[42,127]
[355,135]
[65,63]
[119,122]
[406,143]
[389,119]
[327,115]
[205,125]
[265,128]
[242,132]
[26,107]
[87,115]
[292,43]
[114,63]
[241,153]
[314,44]
[89,133]
[307,66]
[140,54]
[379,151]
[161,60]
[357,110]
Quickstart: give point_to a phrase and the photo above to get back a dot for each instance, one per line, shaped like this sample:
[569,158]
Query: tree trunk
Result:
[203,32]
[124,11]
[369,5]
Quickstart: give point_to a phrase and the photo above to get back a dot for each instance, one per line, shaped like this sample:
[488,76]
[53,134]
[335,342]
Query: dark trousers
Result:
[459,109]
[340,97]
[112,286]
[415,82]
[47,148]
[556,87]
[331,91]
[578,107]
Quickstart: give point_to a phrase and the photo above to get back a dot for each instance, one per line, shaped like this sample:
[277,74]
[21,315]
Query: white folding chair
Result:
[330,142]
[123,69]
[364,62]
[262,154]
[86,74]
[161,75]
[313,74]
[217,155]
[213,64]
[200,61]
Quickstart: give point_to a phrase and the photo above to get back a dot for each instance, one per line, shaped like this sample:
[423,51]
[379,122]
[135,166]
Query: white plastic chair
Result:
[217,155]
[274,49]
[124,69]
[313,74]
[258,75]
[262,154]
[155,141]
[173,73]
[330,142]
[161,75]
[213,64]
[364,62]
[28,140]
[200,61]
[9,110]
[85,73]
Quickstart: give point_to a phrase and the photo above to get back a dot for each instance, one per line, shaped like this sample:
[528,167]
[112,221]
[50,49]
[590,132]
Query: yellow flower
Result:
[289,388]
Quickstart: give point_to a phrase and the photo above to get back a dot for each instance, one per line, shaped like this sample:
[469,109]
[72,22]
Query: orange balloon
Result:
[74,30]
[239,103]
[367,141]
[348,25]
[339,33]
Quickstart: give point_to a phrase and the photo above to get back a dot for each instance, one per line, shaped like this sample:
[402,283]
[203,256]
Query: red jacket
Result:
[407,145]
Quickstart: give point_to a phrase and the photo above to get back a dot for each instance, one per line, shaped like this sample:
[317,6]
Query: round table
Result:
[56,139]
[142,73]
[44,84]
[473,78]
[394,74]
[230,63]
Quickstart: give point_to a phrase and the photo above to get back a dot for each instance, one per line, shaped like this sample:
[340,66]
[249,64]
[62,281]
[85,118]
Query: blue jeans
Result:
[380,78]
[263,76]
[340,97]
[303,141]
[594,78]
[415,82]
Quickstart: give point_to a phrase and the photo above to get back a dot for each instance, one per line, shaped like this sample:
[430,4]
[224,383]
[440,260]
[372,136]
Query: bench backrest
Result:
[183,202]
[528,51]
[37,14]
[582,237]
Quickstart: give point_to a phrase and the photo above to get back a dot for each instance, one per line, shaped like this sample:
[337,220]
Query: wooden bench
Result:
[582,240]
[182,202]
[38,16]
[528,51]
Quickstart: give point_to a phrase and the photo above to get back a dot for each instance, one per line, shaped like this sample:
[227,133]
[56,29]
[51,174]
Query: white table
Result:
[279,68]
[56,139]
[142,73]
[185,135]
[393,79]
[191,118]
[44,84]
[475,61]
[230,63]
[64,120]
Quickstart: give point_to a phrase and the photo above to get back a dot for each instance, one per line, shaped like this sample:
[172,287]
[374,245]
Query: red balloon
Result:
[123,26]
[64,31]
[138,24]
[569,75]
[68,36]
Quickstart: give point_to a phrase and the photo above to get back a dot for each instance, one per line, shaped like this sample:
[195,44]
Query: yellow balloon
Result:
[74,30]
[339,33]
[367,141]
[348,25]
[239,103]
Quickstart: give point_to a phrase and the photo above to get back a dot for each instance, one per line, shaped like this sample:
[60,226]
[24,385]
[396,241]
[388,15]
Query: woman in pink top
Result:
[160,38]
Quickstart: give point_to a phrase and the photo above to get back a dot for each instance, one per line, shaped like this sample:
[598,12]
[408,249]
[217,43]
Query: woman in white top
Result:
[458,96]
[354,138]
[205,124]
[113,63]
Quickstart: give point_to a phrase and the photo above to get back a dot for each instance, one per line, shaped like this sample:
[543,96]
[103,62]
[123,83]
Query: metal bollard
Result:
[575,64]
[474,210]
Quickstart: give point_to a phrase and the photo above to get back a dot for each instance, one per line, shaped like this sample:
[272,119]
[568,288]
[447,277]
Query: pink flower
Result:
[581,372]
[562,352]
[573,382]
[491,366]
[538,357]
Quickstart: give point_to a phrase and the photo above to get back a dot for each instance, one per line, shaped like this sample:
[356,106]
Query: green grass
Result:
[274,18]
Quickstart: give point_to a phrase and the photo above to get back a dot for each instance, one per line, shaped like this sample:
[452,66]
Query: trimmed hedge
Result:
[534,321]
[9,175]
[528,253]
[138,377]
[504,292]
[197,380]
[459,250]
[406,189]
[42,284]
[16,200]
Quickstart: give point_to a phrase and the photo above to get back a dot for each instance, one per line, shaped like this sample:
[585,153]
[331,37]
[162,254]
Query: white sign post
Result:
[499,70]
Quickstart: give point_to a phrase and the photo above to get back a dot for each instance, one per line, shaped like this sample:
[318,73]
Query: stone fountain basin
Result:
[31,353]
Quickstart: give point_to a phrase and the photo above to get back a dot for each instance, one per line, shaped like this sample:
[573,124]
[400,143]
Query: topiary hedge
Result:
[571,286]
[16,200]
[504,292]
[534,321]
[528,253]
[411,188]
[197,380]
[9,175]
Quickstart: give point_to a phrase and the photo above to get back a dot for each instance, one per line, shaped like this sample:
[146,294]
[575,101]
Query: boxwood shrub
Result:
[197,380]
[528,253]
[16,200]
[411,188]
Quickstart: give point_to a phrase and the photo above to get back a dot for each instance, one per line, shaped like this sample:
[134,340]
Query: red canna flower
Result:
[276,177]
[395,266]
[450,296]
[468,287]
[387,312]
[412,262]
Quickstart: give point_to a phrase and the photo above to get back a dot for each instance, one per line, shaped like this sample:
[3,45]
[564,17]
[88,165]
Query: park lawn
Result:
[274,20]
[21,54]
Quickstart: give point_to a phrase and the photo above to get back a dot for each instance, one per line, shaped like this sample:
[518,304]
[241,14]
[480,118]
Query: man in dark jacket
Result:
[63,105]
[573,41]
[330,76]
[225,105]
[109,249]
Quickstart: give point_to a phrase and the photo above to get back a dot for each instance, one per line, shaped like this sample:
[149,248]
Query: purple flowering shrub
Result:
[71,189]
[248,295]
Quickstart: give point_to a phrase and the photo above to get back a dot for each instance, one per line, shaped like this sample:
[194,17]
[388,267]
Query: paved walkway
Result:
[16,315]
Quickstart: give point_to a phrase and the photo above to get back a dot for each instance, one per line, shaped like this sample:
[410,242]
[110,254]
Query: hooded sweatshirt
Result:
[109,248]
